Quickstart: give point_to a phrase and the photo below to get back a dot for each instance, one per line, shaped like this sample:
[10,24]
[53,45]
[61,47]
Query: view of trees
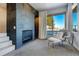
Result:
[50,22]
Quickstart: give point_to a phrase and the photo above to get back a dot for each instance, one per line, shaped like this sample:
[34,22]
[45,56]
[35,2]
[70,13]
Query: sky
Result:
[59,20]
[74,18]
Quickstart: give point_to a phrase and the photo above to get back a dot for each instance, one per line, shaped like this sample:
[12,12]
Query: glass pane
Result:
[59,22]
[74,18]
[55,24]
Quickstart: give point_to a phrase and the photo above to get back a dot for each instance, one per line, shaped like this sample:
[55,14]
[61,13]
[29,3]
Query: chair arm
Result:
[67,37]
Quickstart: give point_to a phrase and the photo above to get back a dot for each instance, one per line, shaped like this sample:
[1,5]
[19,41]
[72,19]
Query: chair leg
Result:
[53,45]
[49,44]
[63,44]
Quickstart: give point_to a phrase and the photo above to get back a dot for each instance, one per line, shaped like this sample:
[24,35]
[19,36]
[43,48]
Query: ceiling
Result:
[47,6]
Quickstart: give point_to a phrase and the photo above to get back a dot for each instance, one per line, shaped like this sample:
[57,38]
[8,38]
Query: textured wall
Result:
[42,24]
[3,18]
[24,21]
[69,18]
[78,15]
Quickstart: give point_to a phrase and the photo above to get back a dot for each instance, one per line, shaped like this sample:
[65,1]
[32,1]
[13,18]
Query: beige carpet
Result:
[40,48]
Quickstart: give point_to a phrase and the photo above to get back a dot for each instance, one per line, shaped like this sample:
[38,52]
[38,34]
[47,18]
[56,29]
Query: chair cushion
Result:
[54,39]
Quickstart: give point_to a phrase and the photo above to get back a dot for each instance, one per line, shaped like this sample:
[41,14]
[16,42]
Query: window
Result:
[55,24]
[74,18]
[74,21]
[59,22]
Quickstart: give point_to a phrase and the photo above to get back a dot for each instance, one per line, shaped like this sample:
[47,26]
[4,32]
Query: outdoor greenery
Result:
[50,22]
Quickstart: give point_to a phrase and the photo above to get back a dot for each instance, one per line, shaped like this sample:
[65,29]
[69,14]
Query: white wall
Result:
[42,24]
[3,18]
[78,15]
[69,25]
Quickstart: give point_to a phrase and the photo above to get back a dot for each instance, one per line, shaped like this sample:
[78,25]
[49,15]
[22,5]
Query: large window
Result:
[55,24]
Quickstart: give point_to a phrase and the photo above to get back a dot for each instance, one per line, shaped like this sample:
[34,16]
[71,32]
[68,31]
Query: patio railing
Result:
[52,33]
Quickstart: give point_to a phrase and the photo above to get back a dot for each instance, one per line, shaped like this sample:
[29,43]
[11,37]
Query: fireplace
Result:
[26,36]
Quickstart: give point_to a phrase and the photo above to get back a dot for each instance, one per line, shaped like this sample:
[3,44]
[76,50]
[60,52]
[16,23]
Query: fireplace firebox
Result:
[26,36]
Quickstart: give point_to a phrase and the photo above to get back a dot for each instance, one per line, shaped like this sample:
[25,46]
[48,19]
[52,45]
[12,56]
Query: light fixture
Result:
[14,27]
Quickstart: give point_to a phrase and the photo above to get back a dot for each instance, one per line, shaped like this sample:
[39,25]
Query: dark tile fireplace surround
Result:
[26,36]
